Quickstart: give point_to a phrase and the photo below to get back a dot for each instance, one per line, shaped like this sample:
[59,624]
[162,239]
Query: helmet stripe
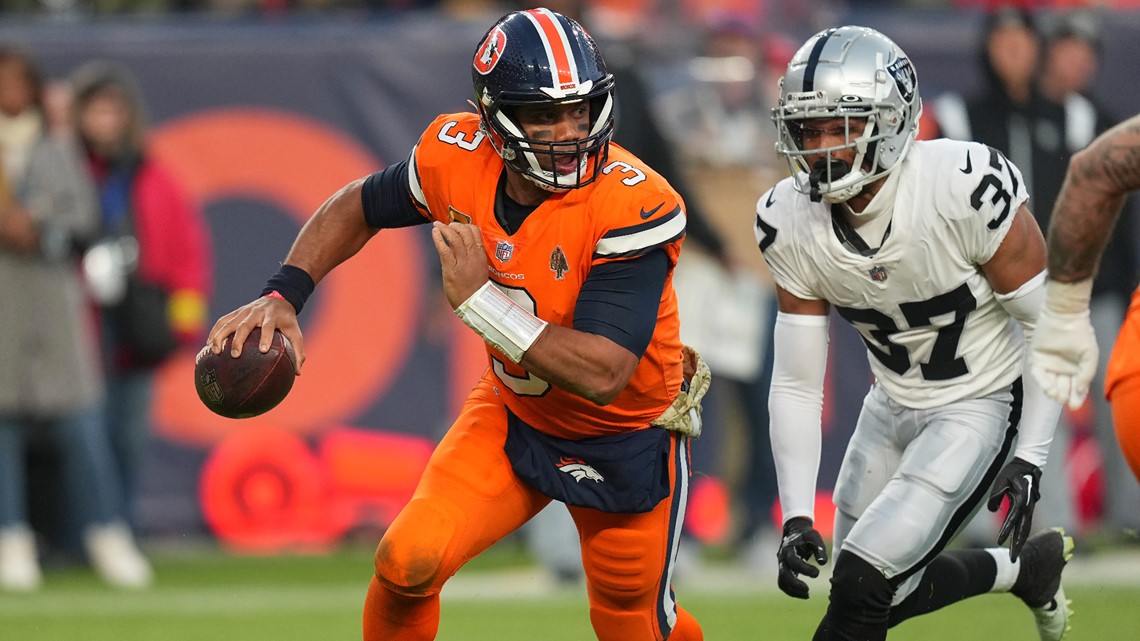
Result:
[564,73]
[813,60]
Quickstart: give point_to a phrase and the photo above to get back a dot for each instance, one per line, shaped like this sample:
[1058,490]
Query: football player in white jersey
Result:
[929,251]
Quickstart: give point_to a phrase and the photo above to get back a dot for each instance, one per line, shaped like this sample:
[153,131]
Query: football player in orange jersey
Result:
[1063,352]
[558,249]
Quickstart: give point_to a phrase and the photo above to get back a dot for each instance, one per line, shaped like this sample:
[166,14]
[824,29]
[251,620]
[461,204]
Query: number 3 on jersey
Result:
[528,384]
[459,138]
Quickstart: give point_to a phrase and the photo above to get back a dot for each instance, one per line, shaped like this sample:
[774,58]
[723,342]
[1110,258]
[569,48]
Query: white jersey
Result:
[934,331]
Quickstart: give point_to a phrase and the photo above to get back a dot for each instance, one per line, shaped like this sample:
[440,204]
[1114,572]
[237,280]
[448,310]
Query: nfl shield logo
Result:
[212,387]
[504,251]
[878,273]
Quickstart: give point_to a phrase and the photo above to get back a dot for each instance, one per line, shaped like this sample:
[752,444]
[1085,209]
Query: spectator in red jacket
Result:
[151,270]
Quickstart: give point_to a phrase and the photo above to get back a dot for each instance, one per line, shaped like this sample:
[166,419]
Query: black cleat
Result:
[1038,583]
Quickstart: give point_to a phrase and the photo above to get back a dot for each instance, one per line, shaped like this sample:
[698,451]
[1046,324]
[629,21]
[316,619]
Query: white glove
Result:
[1063,351]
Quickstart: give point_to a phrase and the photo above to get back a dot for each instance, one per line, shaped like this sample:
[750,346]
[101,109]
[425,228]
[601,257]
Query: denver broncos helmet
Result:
[539,57]
[851,73]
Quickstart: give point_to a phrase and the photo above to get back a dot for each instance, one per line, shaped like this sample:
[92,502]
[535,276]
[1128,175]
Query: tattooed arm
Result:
[1100,178]
[1063,351]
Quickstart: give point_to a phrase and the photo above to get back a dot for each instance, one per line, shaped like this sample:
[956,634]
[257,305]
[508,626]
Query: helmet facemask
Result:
[524,155]
[827,176]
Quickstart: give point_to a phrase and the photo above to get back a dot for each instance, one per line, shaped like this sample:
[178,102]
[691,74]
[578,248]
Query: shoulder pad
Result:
[447,136]
[971,174]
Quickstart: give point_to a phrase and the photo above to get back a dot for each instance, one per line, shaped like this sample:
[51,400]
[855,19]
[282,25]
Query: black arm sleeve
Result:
[619,300]
[387,199]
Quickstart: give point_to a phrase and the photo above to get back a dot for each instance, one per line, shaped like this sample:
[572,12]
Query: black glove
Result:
[801,542]
[1021,481]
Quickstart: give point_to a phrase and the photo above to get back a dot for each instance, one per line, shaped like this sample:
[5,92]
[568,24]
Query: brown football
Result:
[249,385]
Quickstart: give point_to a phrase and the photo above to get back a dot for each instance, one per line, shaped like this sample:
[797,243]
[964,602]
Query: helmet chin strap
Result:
[830,169]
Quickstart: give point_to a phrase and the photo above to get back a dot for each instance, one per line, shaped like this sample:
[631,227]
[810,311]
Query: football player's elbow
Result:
[607,385]
[603,395]
[610,371]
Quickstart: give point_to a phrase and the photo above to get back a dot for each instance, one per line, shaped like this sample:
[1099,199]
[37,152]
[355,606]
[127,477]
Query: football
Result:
[249,385]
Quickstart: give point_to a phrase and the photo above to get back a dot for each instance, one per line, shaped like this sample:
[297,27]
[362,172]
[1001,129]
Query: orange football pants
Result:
[469,498]
[1122,385]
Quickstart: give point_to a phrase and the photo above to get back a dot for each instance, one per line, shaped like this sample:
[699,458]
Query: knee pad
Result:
[860,597]
[628,598]
[412,558]
[622,566]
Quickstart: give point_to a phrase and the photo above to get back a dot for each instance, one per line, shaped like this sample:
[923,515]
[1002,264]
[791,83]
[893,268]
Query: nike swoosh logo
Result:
[969,165]
[647,214]
[769,201]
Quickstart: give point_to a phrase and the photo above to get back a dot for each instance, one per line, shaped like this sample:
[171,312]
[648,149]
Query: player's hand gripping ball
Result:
[250,384]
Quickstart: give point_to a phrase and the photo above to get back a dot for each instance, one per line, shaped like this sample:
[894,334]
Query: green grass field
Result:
[212,596]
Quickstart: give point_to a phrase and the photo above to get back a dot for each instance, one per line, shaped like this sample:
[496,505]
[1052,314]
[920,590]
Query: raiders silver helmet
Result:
[853,73]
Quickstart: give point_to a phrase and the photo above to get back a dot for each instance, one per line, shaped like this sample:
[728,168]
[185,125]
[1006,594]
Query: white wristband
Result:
[502,322]
[1068,298]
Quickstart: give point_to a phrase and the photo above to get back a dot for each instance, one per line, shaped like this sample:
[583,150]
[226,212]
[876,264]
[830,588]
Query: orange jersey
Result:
[1122,385]
[1125,359]
[628,211]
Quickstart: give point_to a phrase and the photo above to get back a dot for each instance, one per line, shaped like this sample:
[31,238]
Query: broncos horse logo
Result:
[490,51]
[579,469]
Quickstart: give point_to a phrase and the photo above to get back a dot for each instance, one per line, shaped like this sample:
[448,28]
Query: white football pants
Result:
[911,478]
